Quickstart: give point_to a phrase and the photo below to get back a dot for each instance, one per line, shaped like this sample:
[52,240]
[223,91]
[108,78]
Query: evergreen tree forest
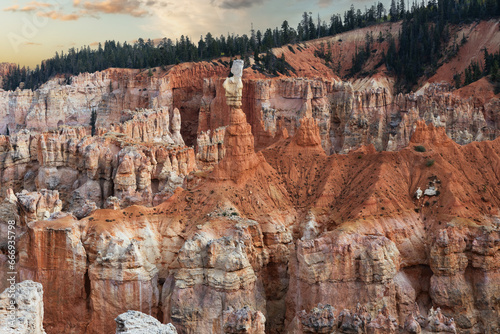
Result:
[424,31]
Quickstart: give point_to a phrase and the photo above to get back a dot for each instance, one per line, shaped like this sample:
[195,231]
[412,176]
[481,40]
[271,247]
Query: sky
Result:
[33,30]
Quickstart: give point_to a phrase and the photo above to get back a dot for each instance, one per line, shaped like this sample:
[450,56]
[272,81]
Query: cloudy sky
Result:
[34,30]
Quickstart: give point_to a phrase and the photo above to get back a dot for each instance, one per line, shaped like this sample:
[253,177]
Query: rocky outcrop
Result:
[327,269]
[244,321]
[55,103]
[210,146]
[240,158]
[149,125]
[100,98]
[438,323]
[123,264]
[52,253]
[21,309]
[450,288]
[39,205]
[321,319]
[83,171]
[133,322]
[211,270]
[349,114]
[303,242]
[176,128]
[144,125]
[95,273]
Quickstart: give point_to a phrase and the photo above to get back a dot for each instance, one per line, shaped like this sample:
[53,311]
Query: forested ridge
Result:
[425,33]
[425,29]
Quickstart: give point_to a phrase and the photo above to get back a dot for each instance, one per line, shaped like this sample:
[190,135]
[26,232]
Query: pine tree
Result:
[393,11]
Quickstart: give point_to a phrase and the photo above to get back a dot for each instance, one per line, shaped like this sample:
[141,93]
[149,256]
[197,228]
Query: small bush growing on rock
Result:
[420,148]
[429,162]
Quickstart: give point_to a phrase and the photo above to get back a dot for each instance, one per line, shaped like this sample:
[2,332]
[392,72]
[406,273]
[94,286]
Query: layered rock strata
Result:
[350,114]
[80,172]
[100,98]
[290,239]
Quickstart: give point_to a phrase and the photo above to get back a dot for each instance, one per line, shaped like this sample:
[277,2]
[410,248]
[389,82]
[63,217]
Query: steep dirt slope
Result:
[343,47]
[479,36]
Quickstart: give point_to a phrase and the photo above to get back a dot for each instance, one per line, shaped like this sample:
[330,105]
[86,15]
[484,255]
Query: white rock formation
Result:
[39,205]
[431,191]
[310,228]
[418,193]
[134,322]
[176,128]
[27,316]
[234,85]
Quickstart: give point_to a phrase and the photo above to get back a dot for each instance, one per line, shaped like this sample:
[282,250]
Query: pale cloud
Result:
[35,5]
[90,8]
[32,44]
[192,18]
[324,3]
[236,4]
[134,8]
[57,15]
[13,8]
[30,7]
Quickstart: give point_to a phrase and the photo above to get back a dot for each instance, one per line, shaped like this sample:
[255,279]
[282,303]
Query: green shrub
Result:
[420,148]
[430,162]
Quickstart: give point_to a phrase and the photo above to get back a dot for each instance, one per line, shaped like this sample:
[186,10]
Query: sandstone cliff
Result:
[141,163]
[107,94]
[349,114]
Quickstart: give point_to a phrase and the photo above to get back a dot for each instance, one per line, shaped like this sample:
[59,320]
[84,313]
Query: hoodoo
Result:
[240,157]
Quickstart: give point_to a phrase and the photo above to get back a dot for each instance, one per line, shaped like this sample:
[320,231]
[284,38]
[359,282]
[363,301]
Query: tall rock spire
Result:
[240,153]
[176,128]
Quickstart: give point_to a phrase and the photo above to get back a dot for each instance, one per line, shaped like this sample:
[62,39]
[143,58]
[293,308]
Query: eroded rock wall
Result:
[80,172]
[349,114]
